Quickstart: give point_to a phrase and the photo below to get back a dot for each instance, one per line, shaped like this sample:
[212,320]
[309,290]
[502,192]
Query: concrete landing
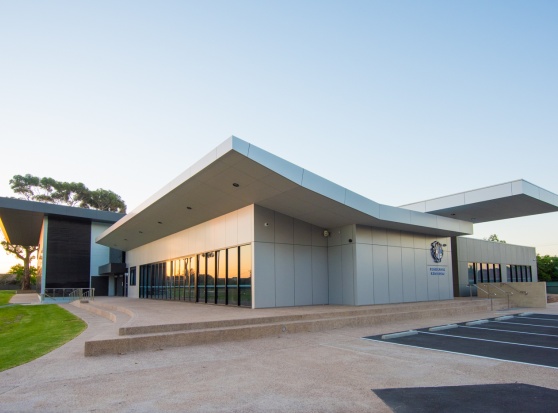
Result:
[327,371]
[154,325]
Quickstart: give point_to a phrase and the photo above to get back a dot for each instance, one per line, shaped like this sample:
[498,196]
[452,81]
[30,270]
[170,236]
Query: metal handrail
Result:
[508,293]
[484,291]
[515,289]
[69,293]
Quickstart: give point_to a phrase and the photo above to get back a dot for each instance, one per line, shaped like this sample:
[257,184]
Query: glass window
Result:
[497,273]
[200,298]
[133,276]
[245,285]
[218,277]
[162,281]
[150,281]
[232,276]
[471,273]
[210,278]
[484,267]
[490,273]
[169,281]
[221,277]
[193,270]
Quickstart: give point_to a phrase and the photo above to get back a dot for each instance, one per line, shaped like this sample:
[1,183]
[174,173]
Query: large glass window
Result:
[484,267]
[232,276]
[487,272]
[217,277]
[132,276]
[245,285]
[210,278]
[221,284]
[497,273]
[200,298]
[471,273]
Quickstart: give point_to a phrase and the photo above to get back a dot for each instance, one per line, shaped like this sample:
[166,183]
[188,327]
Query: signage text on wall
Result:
[437,270]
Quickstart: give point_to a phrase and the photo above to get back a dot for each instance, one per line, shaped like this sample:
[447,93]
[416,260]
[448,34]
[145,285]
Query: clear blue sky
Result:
[399,101]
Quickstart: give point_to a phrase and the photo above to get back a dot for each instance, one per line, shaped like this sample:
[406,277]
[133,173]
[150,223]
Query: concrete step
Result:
[236,330]
[348,312]
[108,311]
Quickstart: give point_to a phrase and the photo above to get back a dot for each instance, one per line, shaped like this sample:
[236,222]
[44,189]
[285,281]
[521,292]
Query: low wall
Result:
[522,294]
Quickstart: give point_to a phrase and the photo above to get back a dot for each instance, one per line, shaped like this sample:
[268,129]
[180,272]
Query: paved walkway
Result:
[333,371]
[25,299]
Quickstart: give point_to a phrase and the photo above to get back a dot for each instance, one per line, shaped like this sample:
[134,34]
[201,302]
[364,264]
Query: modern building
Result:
[68,256]
[245,227]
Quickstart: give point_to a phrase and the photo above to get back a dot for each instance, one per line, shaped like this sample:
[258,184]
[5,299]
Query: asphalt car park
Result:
[523,338]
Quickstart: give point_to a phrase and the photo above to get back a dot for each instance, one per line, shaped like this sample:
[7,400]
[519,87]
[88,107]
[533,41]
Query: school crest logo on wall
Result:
[436,251]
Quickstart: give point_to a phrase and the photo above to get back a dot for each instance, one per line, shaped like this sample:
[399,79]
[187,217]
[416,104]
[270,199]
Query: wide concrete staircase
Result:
[158,336]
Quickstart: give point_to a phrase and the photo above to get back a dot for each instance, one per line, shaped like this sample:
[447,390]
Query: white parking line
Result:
[539,318]
[490,341]
[522,324]
[459,354]
[511,331]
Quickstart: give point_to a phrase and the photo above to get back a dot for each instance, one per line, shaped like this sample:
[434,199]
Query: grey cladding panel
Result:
[284,230]
[409,281]
[348,274]
[303,274]
[284,275]
[421,278]
[381,274]
[320,279]
[264,275]
[335,271]
[395,275]
[302,233]
[364,275]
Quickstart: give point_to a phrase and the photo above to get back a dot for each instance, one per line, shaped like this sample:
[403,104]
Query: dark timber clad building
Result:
[68,256]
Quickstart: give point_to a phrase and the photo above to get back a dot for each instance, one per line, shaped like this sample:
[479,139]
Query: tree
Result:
[33,188]
[19,271]
[106,200]
[494,238]
[24,253]
[547,268]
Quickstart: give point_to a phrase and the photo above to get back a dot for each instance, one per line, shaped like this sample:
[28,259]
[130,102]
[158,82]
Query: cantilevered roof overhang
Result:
[21,221]
[508,200]
[237,174]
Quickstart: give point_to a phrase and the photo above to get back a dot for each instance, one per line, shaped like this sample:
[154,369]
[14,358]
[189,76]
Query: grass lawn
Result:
[30,331]
[5,296]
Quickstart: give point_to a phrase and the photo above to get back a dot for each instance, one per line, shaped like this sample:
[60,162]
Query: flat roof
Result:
[21,221]
[513,199]
[237,174]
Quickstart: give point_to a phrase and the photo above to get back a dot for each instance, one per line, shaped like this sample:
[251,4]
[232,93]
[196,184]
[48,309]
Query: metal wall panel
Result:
[395,275]
[421,277]
[302,233]
[284,231]
[394,238]
[364,274]
[284,275]
[264,279]
[335,275]
[347,259]
[303,274]
[381,274]
[409,278]
[379,236]
[320,278]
